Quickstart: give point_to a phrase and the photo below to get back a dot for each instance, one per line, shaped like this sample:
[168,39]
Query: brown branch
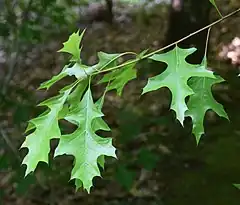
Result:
[172,44]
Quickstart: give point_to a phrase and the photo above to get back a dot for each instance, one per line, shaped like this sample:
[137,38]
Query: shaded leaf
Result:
[119,78]
[24,184]
[201,101]
[75,97]
[4,164]
[78,184]
[148,159]
[125,177]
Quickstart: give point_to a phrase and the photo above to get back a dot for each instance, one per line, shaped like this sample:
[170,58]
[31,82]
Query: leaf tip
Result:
[198,137]
[197,141]
[88,189]
[28,170]
[144,91]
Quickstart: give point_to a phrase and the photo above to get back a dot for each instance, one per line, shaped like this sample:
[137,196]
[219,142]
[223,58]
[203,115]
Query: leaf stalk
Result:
[168,46]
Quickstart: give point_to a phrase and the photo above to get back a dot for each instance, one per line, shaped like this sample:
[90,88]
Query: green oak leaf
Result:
[46,128]
[176,76]
[78,184]
[81,71]
[99,123]
[61,115]
[119,78]
[201,101]
[53,80]
[31,126]
[215,5]
[101,162]
[84,144]
[78,70]
[72,46]
[74,100]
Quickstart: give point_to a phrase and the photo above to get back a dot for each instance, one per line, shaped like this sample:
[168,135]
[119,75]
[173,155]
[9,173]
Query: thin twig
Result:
[172,44]
[207,41]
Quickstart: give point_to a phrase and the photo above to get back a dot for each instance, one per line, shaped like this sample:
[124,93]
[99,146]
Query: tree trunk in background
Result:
[96,12]
[99,12]
[187,16]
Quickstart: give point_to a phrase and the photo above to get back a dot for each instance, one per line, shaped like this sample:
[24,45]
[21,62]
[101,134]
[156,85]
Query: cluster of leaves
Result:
[75,104]
[183,80]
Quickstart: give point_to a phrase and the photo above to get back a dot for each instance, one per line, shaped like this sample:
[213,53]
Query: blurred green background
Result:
[159,162]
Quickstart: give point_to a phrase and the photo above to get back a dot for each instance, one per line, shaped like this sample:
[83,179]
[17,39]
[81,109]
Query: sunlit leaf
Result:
[72,46]
[175,77]
[81,71]
[46,128]
[84,144]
